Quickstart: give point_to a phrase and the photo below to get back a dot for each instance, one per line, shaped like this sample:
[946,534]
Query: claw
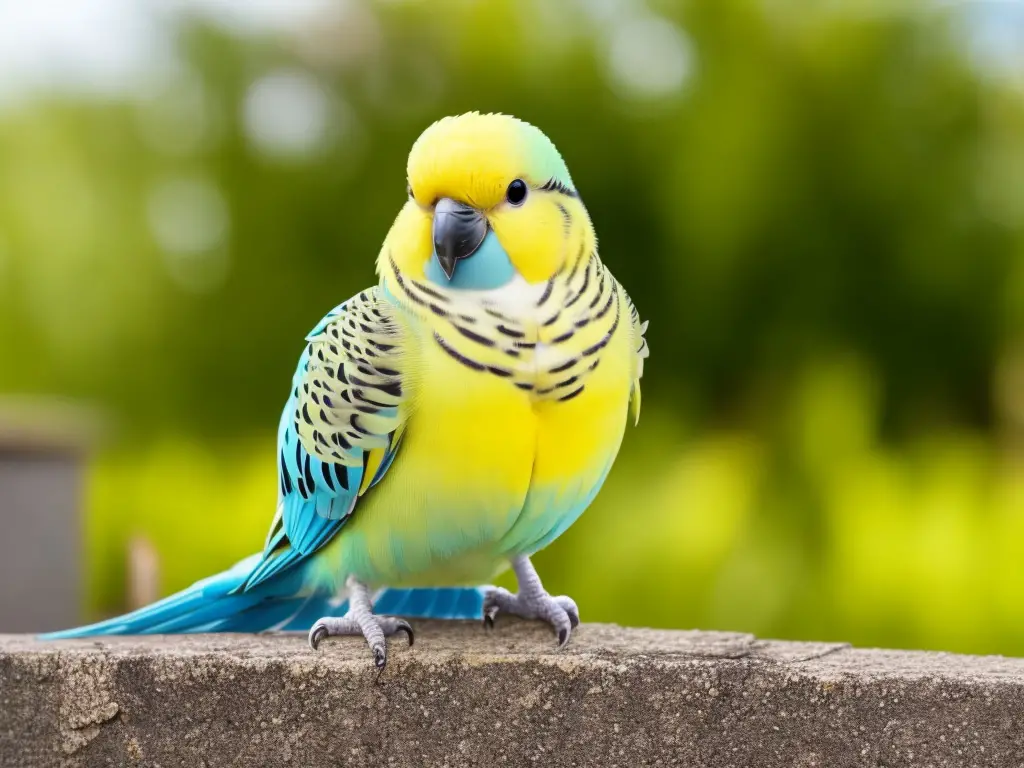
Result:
[563,637]
[490,611]
[380,658]
[318,633]
[569,606]
[406,627]
[574,617]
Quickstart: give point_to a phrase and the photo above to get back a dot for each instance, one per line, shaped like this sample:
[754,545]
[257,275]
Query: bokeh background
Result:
[818,205]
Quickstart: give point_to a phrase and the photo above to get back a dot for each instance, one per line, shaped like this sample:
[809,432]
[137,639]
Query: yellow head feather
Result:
[472,158]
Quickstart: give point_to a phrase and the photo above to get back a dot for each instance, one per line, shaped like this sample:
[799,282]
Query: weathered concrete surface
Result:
[461,696]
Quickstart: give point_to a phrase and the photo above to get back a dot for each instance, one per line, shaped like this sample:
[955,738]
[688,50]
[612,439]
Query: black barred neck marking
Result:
[546,345]
[454,353]
[566,218]
[459,312]
[566,379]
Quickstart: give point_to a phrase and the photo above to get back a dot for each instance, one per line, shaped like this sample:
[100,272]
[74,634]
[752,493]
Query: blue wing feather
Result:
[268,590]
[316,497]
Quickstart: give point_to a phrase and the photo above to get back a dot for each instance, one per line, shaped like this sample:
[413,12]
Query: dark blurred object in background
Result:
[43,448]
[818,206]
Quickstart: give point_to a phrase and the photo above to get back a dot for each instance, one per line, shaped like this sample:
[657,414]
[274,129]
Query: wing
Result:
[340,430]
[642,353]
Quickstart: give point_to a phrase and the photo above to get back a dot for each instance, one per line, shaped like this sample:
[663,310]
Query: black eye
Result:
[516,192]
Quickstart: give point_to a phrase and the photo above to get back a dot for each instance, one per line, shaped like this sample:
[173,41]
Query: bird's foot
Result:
[379,628]
[361,621]
[532,602]
[559,611]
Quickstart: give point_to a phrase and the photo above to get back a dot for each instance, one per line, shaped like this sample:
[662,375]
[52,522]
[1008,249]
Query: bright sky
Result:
[105,46]
[108,46]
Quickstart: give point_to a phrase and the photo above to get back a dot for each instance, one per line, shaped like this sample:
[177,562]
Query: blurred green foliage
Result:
[821,213]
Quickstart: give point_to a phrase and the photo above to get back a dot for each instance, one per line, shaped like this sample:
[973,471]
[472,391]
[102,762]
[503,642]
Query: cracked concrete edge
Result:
[463,696]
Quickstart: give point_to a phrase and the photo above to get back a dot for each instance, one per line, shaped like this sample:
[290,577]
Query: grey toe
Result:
[569,606]
[560,612]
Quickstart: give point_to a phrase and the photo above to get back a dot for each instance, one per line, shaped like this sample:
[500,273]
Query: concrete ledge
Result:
[462,696]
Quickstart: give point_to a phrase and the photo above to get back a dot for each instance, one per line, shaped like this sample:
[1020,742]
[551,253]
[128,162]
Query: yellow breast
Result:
[516,406]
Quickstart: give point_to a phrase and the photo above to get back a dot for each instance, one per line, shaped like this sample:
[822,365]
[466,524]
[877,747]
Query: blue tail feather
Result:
[205,603]
[213,605]
[432,603]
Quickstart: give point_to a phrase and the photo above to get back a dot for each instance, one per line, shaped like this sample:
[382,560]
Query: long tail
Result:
[213,605]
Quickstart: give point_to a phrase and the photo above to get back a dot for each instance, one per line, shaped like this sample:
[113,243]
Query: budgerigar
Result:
[450,421]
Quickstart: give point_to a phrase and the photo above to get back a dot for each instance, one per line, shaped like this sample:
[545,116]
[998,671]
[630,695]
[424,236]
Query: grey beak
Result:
[458,232]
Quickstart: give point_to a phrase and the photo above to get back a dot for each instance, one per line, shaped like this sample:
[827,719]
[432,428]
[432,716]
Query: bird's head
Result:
[490,198]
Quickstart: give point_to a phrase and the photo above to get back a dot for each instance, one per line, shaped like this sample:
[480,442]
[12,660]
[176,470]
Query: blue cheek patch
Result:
[489,267]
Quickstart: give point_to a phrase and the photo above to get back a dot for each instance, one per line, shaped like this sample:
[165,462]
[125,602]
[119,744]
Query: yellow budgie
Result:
[447,423]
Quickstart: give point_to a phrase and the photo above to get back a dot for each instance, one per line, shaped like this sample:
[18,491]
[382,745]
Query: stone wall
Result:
[464,696]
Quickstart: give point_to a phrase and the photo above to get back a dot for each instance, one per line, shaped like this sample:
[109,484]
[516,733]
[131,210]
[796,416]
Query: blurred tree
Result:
[807,185]
[820,212]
